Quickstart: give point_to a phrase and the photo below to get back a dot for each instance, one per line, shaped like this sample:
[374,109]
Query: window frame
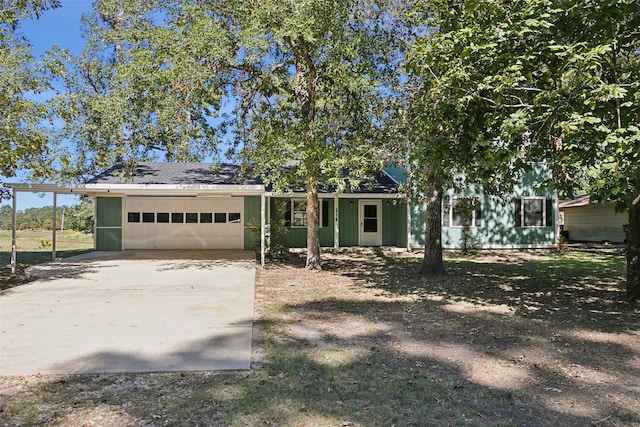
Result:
[323,212]
[546,214]
[448,215]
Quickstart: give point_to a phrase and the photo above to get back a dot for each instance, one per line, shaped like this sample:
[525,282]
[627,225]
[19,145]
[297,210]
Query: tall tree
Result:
[312,78]
[545,79]
[24,139]
[146,86]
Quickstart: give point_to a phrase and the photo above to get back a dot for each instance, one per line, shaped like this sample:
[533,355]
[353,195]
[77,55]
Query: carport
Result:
[131,311]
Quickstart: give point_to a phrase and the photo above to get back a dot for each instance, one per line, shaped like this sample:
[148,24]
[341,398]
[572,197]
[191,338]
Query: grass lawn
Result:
[504,339]
[34,247]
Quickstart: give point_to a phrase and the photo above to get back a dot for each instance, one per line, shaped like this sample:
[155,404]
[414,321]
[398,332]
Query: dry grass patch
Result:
[505,339]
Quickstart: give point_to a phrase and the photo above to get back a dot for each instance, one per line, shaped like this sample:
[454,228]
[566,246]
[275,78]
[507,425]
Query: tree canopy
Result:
[311,81]
[25,140]
[511,82]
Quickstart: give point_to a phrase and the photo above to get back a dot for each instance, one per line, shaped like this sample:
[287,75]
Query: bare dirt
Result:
[504,339]
[557,335]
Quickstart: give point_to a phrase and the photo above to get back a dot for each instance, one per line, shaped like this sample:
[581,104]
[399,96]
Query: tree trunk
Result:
[432,263]
[313,227]
[633,250]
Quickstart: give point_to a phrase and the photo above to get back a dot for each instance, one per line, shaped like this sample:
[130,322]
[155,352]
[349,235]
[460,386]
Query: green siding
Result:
[348,222]
[109,212]
[109,239]
[251,222]
[394,223]
[109,224]
[297,236]
[498,228]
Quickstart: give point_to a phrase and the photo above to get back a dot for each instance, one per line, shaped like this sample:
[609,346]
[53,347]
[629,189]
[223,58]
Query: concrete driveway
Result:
[131,311]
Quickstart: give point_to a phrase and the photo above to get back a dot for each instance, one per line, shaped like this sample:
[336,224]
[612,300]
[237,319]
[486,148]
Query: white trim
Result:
[544,211]
[201,190]
[13,233]
[336,222]
[361,234]
[473,213]
[262,229]
[368,196]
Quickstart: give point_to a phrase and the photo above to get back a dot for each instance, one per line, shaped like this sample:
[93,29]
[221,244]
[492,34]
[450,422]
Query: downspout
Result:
[13,234]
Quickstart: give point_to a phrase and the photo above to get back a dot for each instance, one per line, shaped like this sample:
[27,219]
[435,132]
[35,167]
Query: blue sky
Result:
[59,27]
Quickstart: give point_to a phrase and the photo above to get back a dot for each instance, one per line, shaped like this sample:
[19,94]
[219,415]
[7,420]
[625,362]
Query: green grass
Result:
[34,247]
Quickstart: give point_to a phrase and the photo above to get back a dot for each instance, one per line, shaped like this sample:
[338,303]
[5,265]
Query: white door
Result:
[370,218]
[184,223]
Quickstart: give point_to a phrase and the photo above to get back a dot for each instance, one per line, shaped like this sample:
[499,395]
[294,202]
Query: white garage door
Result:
[184,223]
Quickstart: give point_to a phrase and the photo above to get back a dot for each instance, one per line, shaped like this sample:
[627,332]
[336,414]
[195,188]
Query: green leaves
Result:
[25,84]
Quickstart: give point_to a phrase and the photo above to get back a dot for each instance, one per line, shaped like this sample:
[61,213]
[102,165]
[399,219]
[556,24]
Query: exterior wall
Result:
[348,220]
[499,228]
[595,223]
[252,222]
[108,223]
[297,236]
[394,223]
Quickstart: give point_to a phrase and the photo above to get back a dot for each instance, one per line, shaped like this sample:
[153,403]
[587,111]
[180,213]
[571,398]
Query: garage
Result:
[183,223]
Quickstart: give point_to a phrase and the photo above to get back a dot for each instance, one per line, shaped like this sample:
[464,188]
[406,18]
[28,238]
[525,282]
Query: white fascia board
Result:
[44,188]
[140,189]
[161,189]
[340,195]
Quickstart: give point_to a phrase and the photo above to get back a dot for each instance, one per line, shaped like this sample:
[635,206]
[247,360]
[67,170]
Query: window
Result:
[191,218]
[133,217]
[206,218]
[177,217]
[370,219]
[234,217]
[462,212]
[534,212]
[162,217]
[296,215]
[148,217]
[220,217]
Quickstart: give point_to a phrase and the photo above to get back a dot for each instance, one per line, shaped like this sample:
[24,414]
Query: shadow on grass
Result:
[569,288]
[25,260]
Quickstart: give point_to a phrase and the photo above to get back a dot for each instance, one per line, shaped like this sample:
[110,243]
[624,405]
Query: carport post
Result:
[55,220]
[13,234]
[262,229]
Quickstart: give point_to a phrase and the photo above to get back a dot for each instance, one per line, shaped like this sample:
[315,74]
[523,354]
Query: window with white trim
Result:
[462,212]
[534,212]
[296,215]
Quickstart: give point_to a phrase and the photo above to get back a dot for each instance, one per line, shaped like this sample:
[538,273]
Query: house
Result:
[586,221]
[524,219]
[215,206]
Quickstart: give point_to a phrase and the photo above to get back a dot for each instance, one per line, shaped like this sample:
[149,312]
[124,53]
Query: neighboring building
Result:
[592,222]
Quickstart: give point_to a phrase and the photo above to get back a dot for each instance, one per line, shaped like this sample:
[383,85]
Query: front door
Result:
[370,215]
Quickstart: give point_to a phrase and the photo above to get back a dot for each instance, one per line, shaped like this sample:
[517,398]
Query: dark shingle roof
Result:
[217,174]
[176,174]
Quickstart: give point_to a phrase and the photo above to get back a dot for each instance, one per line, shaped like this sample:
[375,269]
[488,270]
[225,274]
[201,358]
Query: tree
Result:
[543,79]
[311,81]
[146,85]
[24,141]
[81,216]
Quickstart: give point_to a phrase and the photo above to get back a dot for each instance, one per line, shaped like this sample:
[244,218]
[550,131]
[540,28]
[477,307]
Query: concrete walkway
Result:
[131,311]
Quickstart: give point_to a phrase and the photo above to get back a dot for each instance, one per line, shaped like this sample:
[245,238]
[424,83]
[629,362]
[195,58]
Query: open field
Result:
[35,247]
[505,339]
